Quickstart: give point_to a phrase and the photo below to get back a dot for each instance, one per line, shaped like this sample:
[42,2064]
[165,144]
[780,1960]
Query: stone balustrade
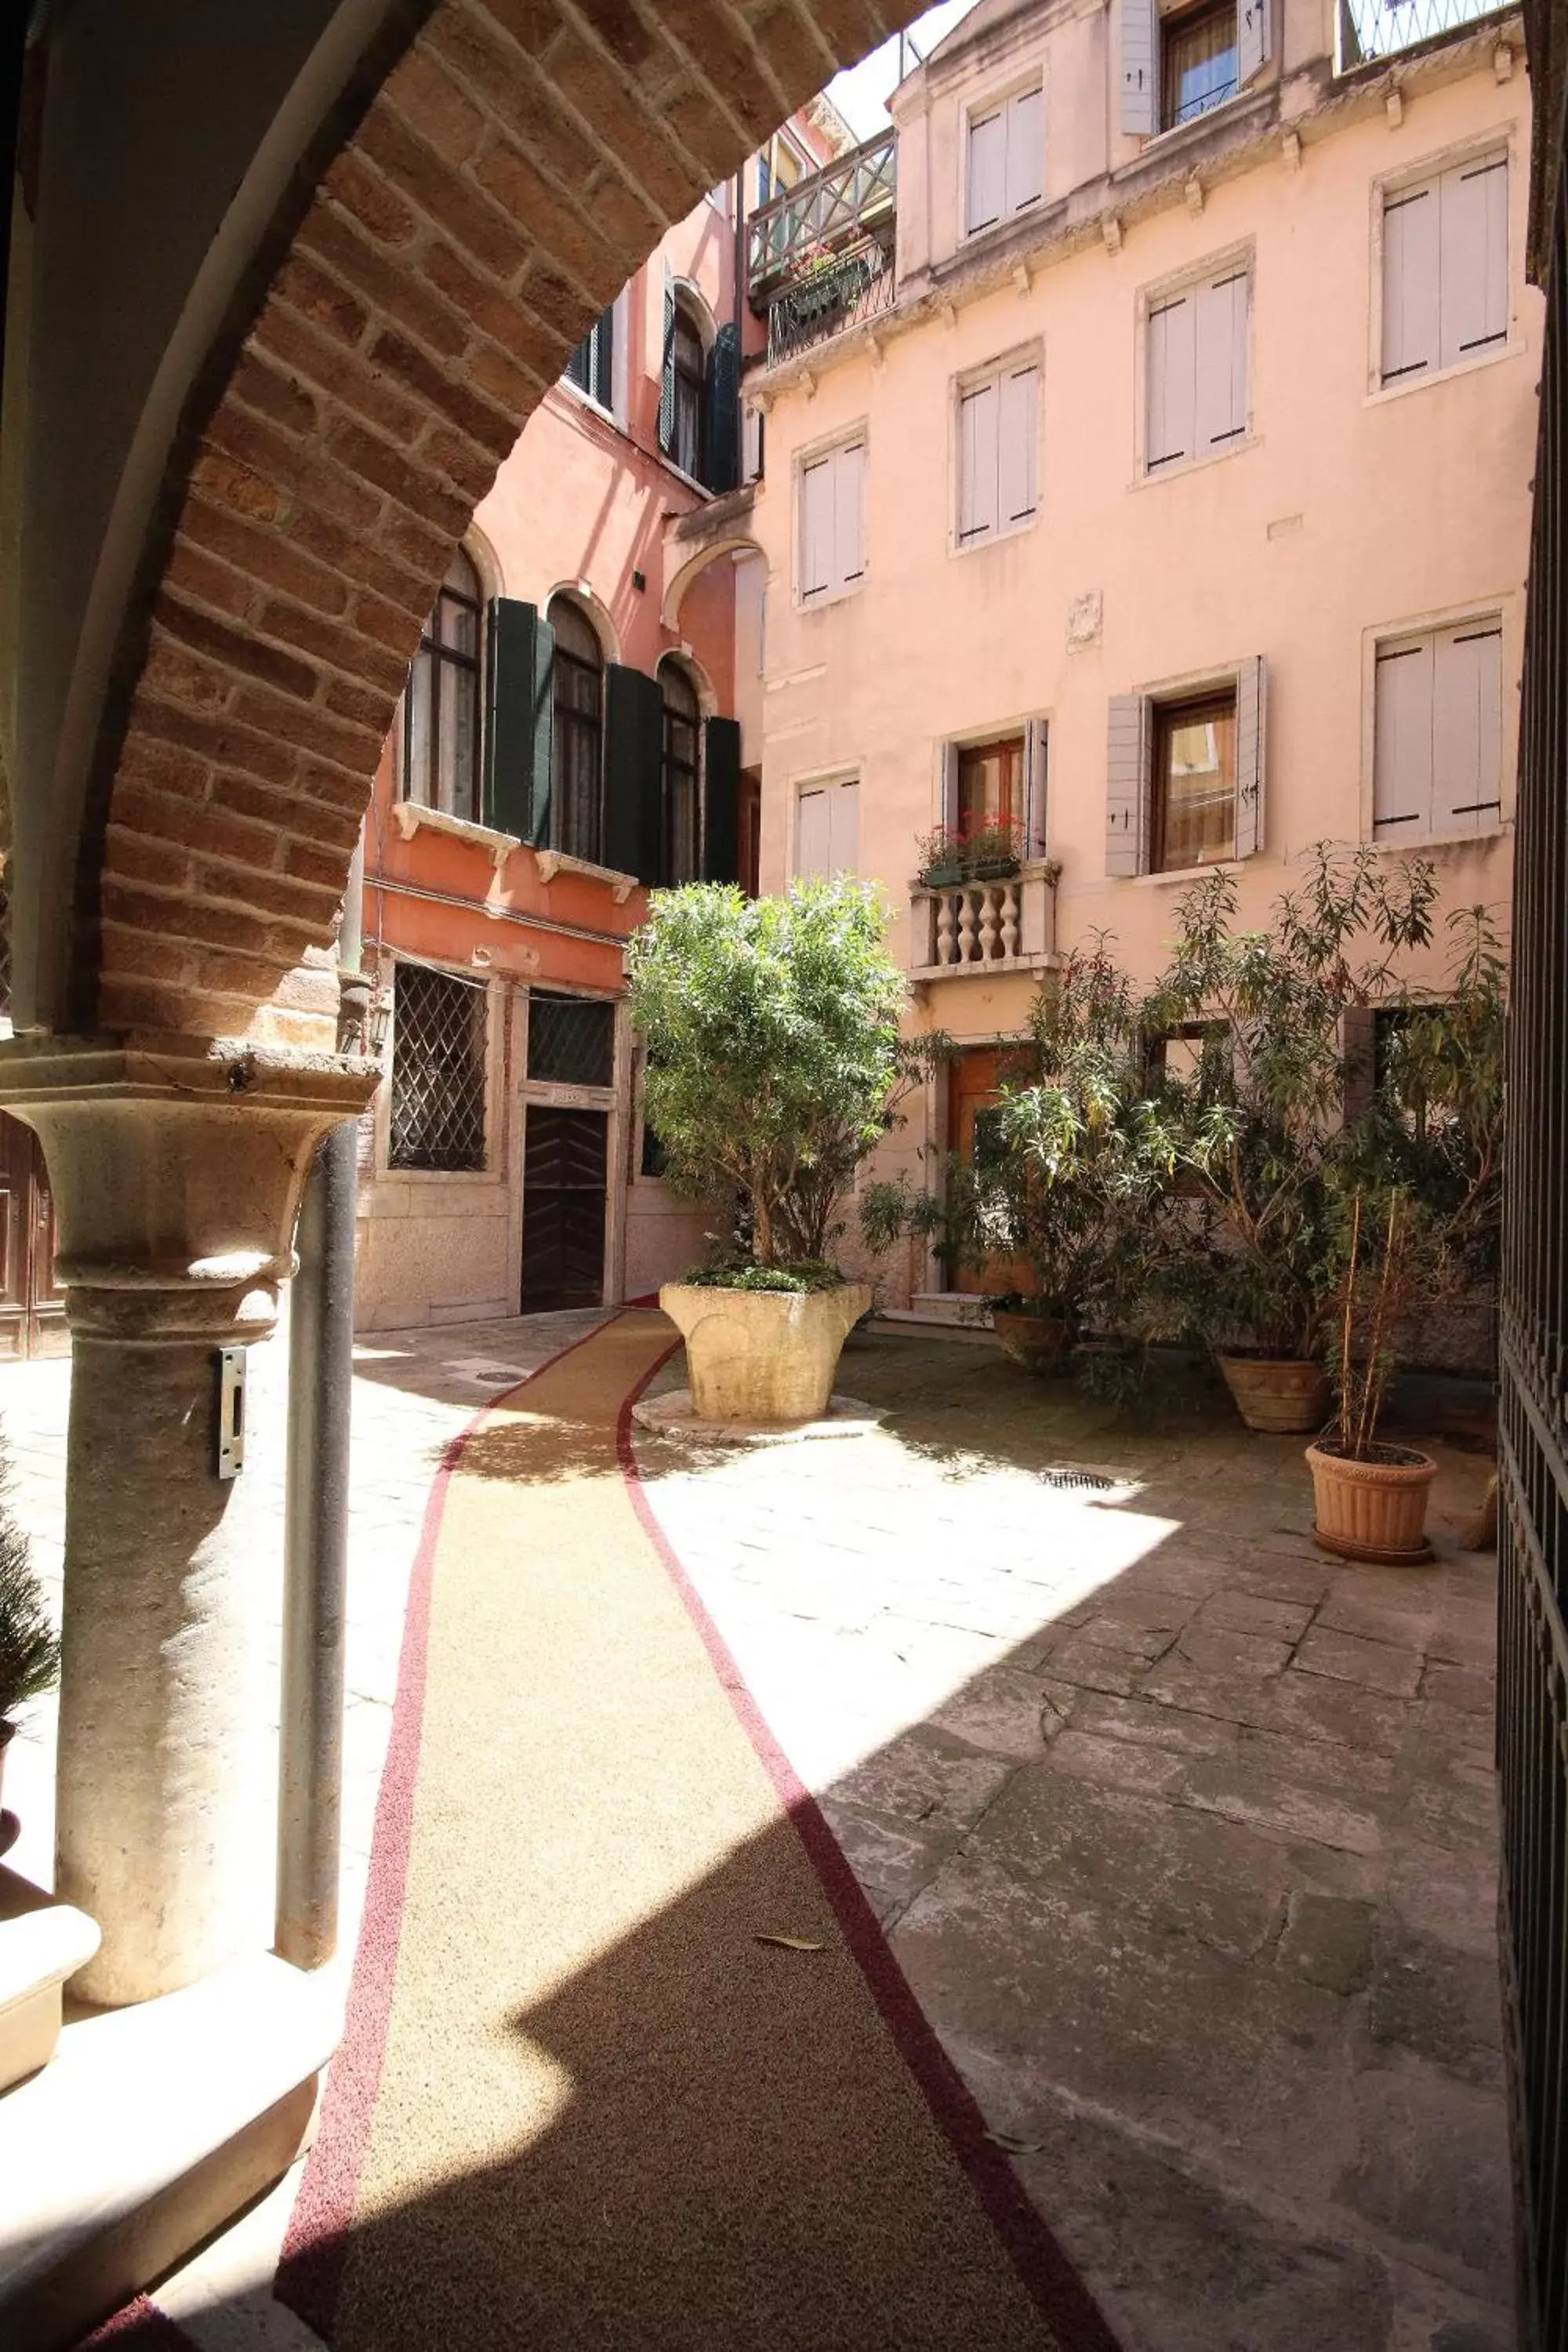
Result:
[1006,925]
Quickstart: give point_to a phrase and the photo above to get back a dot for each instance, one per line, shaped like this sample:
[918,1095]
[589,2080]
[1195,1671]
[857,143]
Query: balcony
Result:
[989,928]
[1371,29]
[821,255]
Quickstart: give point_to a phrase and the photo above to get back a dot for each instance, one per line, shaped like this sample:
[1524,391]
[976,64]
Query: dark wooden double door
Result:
[566,1191]
[32,1305]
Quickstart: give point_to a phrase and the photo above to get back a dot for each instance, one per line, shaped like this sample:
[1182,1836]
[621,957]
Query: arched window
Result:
[441,707]
[680,409]
[577,800]
[680,816]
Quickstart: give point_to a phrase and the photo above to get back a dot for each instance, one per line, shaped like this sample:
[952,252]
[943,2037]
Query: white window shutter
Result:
[987,168]
[848,518]
[1473,270]
[977,462]
[1026,151]
[1219,398]
[1140,69]
[1127,785]
[1251,730]
[1402,752]
[751,444]
[1171,352]
[844,828]
[815,525]
[1467,728]
[1036,784]
[1410,278]
[1252,41]
[814,845]
[1017,446]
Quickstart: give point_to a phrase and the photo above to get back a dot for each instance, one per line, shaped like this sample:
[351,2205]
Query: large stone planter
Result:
[1285,1396]
[1039,1342]
[763,1355]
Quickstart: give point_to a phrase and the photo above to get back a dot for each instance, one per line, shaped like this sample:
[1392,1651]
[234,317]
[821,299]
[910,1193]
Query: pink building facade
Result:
[1157,490]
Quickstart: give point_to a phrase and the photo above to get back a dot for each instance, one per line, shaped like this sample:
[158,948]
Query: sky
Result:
[861,94]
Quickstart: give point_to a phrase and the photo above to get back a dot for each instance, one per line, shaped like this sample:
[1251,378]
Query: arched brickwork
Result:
[518,161]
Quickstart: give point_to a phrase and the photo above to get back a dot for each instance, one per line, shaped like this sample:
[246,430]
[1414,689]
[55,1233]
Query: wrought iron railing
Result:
[810,220]
[1532,1549]
[839,293]
[1381,28]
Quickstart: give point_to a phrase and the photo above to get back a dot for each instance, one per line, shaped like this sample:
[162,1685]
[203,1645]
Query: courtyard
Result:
[1182,1834]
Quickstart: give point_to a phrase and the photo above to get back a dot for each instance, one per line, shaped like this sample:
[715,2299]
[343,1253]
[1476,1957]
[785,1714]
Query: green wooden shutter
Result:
[666,369]
[634,762]
[721,801]
[723,396]
[521,663]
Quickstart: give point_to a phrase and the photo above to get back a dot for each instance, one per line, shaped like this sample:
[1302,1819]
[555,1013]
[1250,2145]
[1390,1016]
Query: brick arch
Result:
[518,162]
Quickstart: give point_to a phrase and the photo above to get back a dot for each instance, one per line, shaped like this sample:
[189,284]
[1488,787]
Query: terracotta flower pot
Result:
[1372,1511]
[763,1358]
[1285,1396]
[1038,1342]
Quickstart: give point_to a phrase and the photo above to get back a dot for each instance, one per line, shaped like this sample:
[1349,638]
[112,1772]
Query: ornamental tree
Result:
[774,1061]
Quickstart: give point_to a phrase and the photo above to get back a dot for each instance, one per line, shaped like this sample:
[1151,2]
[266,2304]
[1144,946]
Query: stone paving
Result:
[1184,1833]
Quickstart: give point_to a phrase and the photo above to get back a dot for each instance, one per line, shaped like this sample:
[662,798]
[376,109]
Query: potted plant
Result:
[775,1067]
[1256,1100]
[29,1646]
[940,853]
[1066,1183]
[990,851]
[1369,1497]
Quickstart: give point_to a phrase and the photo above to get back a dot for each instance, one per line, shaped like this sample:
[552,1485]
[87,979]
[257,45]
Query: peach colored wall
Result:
[1347,512]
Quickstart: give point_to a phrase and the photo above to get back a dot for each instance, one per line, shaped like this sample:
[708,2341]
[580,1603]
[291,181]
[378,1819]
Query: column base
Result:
[151,2128]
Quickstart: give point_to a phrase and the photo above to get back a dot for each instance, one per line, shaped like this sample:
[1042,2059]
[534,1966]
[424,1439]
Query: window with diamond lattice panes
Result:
[571,1040]
[437,1072]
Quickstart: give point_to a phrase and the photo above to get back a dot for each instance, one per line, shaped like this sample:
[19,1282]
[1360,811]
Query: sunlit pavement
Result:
[1184,1833]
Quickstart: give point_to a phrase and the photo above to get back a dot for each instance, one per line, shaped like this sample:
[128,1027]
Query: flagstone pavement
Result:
[1184,1833]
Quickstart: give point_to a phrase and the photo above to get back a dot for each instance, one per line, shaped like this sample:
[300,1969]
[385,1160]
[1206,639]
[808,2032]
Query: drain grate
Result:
[1094,1482]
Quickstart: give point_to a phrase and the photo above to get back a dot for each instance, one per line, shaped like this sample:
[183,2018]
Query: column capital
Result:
[176,1166]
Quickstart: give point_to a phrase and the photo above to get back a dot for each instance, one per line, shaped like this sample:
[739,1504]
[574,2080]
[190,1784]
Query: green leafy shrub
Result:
[775,1064]
[29,1646]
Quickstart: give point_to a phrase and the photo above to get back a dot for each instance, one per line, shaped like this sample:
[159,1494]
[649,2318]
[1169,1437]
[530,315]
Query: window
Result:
[1195,369]
[1437,732]
[577,747]
[1184,774]
[827,835]
[592,365]
[1199,62]
[1445,270]
[571,1040]
[1178,68]
[991,784]
[441,707]
[1005,164]
[679,818]
[998,452]
[681,405]
[831,495]
[437,1071]
[1194,783]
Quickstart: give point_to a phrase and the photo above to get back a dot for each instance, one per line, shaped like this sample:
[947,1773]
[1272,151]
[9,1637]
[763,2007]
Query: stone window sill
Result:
[552,862]
[410,816]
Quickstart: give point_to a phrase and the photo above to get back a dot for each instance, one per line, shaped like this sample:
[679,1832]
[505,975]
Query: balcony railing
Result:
[841,292]
[845,200]
[1008,925]
[1380,28]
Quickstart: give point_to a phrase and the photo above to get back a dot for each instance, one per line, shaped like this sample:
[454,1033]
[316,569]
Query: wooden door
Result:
[32,1304]
[972,1082]
[565,1164]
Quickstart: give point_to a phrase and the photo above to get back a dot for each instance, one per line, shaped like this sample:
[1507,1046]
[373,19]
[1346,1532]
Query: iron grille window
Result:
[1199,62]
[571,1040]
[437,1071]
[682,718]
[577,800]
[441,707]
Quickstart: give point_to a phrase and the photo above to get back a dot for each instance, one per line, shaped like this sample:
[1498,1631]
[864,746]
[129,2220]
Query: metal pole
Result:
[316,1514]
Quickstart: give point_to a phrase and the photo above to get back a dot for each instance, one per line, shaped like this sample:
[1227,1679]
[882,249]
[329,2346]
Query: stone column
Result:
[176,1167]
